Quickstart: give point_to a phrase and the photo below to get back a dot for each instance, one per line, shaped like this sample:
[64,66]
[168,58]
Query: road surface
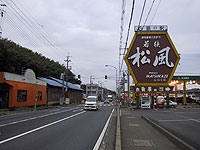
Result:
[54,129]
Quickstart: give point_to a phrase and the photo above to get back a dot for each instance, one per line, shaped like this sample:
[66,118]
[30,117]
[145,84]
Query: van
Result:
[91,103]
[145,102]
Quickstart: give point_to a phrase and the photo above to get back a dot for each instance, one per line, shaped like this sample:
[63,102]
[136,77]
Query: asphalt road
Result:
[184,123]
[54,129]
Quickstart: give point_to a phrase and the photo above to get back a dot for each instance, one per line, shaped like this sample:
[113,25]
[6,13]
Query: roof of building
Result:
[58,83]
[69,85]
[28,77]
[51,82]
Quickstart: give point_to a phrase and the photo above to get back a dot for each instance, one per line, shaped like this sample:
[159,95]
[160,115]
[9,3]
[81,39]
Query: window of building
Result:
[21,95]
[56,95]
[39,96]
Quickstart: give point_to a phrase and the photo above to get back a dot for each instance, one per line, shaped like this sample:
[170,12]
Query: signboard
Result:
[186,78]
[152,58]
[151,28]
[151,89]
[152,94]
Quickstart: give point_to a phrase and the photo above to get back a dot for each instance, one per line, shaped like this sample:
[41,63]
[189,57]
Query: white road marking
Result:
[133,125]
[11,123]
[142,143]
[54,110]
[130,117]
[190,119]
[172,120]
[39,128]
[98,143]
[77,110]
[195,120]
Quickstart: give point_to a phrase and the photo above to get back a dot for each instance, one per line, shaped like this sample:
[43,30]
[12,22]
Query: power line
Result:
[32,27]
[142,14]
[27,37]
[149,12]
[18,30]
[44,34]
[155,12]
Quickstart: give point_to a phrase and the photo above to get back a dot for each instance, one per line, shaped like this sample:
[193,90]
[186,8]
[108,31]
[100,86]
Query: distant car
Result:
[91,103]
[106,102]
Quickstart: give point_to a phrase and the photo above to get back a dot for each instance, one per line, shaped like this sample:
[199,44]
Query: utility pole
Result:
[62,77]
[128,86]
[91,85]
[67,73]
[1,15]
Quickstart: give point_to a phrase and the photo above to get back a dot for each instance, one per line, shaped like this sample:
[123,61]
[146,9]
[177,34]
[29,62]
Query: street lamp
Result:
[116,74]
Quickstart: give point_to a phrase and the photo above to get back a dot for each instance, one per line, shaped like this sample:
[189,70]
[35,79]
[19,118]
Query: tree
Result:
[14,57]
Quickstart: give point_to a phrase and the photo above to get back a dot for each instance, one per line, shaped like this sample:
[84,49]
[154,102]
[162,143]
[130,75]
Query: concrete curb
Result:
[118,134]
[177,141]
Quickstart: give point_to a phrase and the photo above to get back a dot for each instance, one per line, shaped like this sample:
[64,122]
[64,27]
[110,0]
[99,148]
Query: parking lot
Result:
[183,122]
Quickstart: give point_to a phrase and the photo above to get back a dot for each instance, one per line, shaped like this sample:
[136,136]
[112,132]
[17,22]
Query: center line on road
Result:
[39,128]
[2,125]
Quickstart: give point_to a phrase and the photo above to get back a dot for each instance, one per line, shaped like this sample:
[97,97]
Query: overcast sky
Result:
[89,30]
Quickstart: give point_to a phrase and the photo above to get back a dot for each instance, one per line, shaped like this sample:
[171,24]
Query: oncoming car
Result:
[106,102]
[91,103]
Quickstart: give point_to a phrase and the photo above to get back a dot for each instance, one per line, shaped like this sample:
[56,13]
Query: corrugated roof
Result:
[58,83]
[69,85]
[51,82]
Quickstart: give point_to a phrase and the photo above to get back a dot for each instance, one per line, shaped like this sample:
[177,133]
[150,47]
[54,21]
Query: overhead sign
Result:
[152,58]
[157,28]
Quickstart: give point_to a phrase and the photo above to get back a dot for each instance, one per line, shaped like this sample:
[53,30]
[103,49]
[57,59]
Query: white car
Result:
[171,104]
[91,103]
[145,105]
[145,102]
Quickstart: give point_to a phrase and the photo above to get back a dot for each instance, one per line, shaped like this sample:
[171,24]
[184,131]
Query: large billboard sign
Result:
[152,58]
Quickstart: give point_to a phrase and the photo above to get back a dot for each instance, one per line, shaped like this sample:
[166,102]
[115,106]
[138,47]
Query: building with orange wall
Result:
[18,90]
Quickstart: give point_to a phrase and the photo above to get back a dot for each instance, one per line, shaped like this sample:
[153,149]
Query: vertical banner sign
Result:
[152,58]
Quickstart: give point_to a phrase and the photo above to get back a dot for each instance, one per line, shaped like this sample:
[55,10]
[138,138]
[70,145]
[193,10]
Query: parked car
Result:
[171,104]
[145,102]
[179,99]
[198,101]
[188,99]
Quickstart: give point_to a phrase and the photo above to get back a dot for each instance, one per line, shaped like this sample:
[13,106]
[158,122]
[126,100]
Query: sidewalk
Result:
[137,134]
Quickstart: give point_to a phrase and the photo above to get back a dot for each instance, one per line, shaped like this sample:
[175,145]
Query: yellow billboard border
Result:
[131,71]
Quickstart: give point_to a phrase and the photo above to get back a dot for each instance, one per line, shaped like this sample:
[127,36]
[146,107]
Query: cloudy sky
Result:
[89,31]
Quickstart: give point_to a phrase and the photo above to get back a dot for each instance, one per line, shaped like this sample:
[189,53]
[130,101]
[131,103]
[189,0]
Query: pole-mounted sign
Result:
[152,57]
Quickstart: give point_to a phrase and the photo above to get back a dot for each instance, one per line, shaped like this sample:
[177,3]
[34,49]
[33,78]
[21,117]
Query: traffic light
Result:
[79,76]
[106,77]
